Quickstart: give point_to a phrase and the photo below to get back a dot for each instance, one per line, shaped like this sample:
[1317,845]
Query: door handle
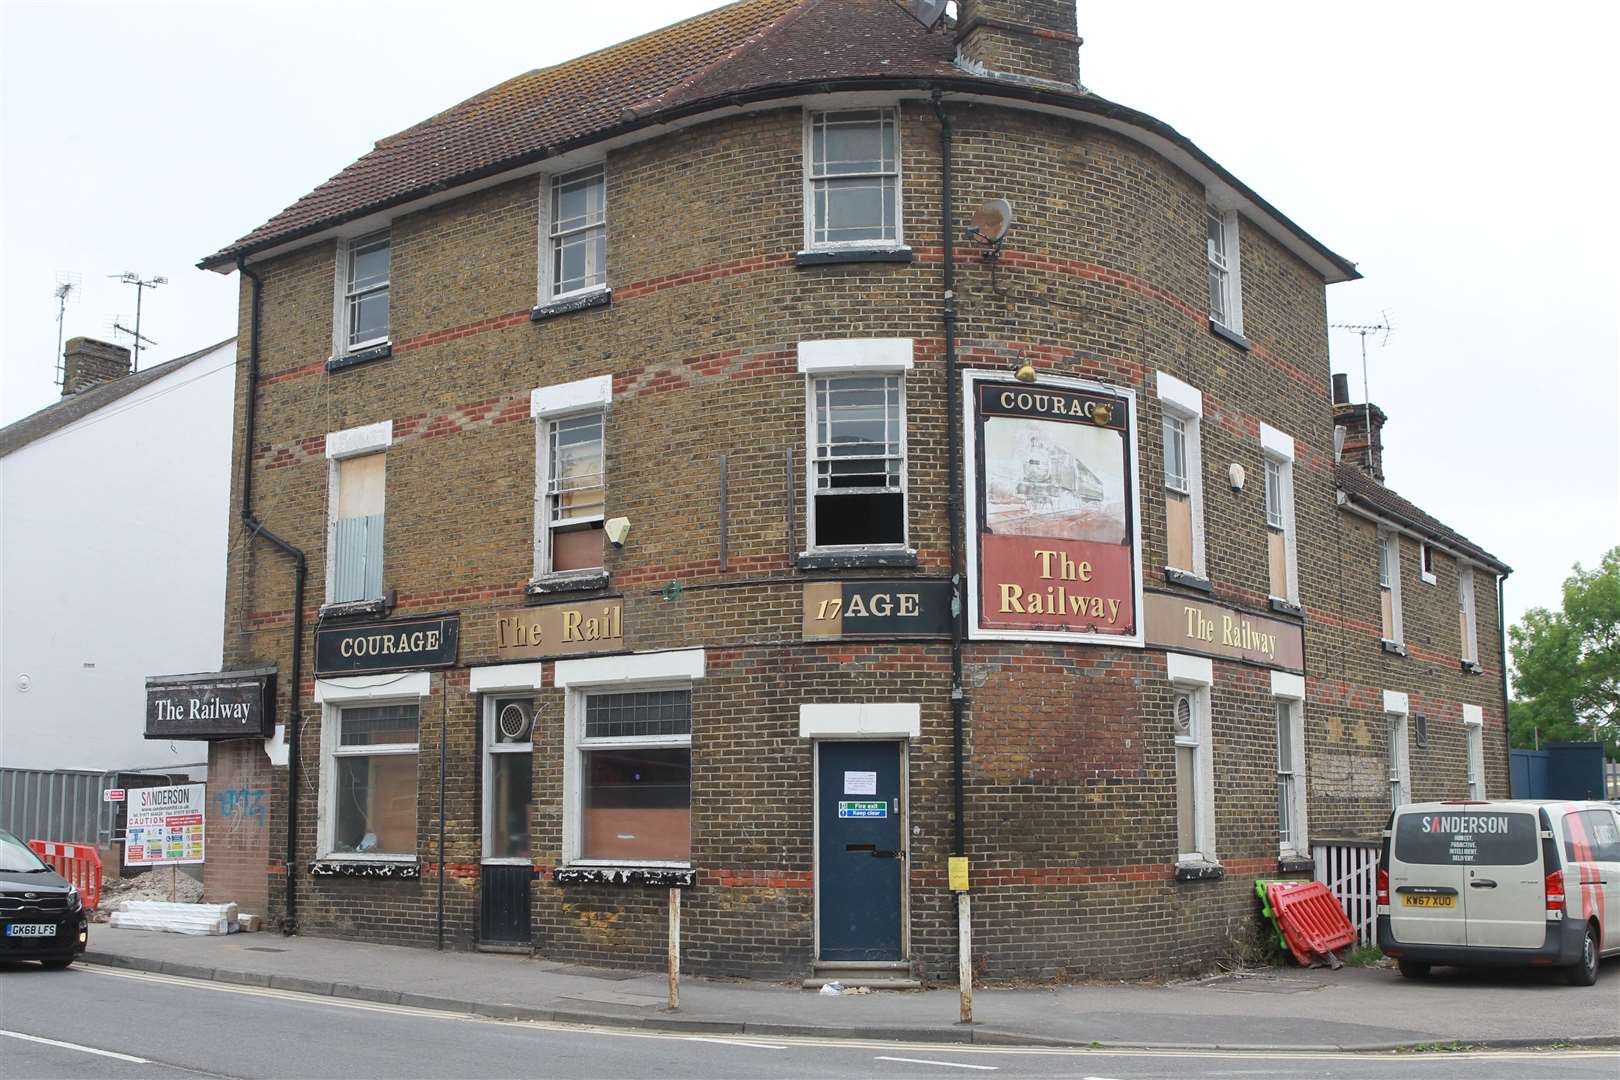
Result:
[1482,883]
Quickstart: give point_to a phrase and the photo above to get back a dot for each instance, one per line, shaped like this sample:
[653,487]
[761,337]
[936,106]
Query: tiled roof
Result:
[754,48]
[59,414]
[1371,495]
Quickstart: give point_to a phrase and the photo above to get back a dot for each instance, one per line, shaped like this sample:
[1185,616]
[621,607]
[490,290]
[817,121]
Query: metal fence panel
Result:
[62,805]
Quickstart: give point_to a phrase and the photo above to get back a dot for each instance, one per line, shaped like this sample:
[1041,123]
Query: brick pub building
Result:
[613,452]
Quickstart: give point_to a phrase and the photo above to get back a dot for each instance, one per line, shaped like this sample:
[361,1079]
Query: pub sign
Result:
[427,642]
[1054,550]
[211,705]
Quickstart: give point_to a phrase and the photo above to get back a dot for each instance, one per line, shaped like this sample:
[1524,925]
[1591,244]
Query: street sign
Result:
[113,794]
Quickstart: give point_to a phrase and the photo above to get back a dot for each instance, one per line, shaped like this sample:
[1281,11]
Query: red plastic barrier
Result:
[79,863]
[1311,919]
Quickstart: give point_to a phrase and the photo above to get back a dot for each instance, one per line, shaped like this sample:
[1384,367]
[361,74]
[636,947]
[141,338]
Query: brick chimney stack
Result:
[88,362]
[1028,40]
[1354,419]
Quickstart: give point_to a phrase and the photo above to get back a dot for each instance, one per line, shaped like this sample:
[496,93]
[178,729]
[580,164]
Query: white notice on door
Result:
[860,783]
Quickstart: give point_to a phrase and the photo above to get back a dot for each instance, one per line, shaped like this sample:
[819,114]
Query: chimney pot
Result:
[1341,389]
[87,362]
[1023,39]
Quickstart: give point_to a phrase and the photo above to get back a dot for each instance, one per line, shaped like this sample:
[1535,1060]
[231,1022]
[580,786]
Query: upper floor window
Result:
[356,481]
[1389,585]
[1221,254]
[1467,627]
[1426,563]
[364,315]
[576,223]
[1190,678]
[852,178]
[1183,479]
[571,474]
[856,446]
[1277,452]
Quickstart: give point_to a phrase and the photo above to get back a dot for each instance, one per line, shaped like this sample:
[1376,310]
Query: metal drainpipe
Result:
[255,527]
[1507,728]
[953,441]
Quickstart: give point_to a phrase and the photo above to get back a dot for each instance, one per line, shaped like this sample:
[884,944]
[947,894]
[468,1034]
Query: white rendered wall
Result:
[112,568]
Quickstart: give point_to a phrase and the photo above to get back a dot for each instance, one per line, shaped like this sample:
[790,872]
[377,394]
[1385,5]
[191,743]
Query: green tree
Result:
[1567,663]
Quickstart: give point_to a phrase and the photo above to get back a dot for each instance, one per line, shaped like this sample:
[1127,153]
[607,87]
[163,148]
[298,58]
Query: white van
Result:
[1483,883]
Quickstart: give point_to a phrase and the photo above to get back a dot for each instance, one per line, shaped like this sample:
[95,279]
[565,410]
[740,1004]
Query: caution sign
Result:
[165,825]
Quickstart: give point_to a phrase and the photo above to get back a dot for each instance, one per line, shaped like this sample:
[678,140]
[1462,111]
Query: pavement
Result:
[1271,1009]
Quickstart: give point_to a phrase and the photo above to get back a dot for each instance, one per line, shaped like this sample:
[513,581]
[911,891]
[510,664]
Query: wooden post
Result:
[674,948]
[964,954]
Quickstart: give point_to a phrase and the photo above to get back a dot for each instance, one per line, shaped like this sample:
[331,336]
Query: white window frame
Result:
[855,357]
[899,240]
[1193,676]
[1389,566]
[341,346]
[1398,747]
[1183,402]
[548,185]
[1474,736]
[1288,691]
[1426,554]
[1467,601]
[1277,451]
[1227,262]
[501,682]
[357,691]
[547,405]
[341,445]
[635,673]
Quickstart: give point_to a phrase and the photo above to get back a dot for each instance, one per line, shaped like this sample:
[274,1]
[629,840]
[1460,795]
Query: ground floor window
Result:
[372,780]
[1399,778]
[635,770]
[508,777]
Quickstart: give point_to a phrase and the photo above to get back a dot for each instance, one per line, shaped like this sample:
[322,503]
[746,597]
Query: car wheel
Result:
[1584,972]
[57,963]
[1413,969]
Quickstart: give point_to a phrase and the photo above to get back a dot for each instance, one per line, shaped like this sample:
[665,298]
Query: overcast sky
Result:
[1463,154]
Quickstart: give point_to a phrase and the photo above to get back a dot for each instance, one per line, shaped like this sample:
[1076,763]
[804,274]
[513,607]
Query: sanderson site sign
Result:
[1053,549]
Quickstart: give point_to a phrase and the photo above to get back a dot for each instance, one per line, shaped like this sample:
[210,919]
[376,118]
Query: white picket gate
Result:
[1349,869]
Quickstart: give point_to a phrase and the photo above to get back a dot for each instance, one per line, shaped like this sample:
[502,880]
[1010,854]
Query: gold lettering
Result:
[823,613]
[570,621]
[1113,610]
[883,605]
[1046,558]
[615,613]
[537,633]
[1009,597]
[909,604]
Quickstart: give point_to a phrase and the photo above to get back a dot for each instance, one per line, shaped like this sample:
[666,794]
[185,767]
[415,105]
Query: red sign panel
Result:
[1054,492]
[113,794]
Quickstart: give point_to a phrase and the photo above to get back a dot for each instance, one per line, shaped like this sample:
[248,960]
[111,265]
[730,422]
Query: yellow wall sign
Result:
[958,873]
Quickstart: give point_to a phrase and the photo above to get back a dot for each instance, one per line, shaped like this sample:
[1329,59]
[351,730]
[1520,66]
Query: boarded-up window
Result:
[1178,531]
[357,540]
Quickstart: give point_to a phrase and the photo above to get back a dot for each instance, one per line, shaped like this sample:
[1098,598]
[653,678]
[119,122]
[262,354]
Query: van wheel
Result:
[1413,969]
[1584,972]
[56,963]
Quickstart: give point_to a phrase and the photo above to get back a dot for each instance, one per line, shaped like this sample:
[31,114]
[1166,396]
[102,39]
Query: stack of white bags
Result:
[176,918]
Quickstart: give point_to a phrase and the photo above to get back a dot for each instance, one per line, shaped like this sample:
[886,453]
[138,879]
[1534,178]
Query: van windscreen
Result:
[1466,838]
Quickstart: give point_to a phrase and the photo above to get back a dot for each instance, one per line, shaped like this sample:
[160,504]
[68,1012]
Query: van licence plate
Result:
[37,929]
[1409,900]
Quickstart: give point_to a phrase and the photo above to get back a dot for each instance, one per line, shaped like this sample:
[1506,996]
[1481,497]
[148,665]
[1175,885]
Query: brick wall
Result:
[237,829]
[1070,778]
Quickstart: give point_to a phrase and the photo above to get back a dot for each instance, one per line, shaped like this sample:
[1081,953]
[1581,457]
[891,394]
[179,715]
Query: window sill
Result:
[404,868]
[1292,862]
[347,609]
[1284,607]
[1470,667]
[1394,648]
[857,560]
[1199,871]
[837,256]
[1427,579]
[1190,580]
[665,876]
[567,581]
[570,304]
[361,356]
[1228,334]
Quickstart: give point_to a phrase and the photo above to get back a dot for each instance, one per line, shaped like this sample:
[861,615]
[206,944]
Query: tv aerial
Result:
[1381,329]
[927,12]
[141,285]
[68,287]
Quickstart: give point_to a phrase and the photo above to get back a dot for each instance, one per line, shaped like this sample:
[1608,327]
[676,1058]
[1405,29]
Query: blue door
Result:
[862,860]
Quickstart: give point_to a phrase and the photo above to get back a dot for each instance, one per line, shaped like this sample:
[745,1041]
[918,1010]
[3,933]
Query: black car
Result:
[41,915]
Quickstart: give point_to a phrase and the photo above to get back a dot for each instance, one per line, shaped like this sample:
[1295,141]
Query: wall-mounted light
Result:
[1025,372]
[617,529]
[1235,474]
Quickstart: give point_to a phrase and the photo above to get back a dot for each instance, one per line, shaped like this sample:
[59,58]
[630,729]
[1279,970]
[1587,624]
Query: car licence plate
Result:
[1428,901]
[35,929]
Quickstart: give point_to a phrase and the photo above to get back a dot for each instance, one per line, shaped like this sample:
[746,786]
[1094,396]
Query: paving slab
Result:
[1354,1008]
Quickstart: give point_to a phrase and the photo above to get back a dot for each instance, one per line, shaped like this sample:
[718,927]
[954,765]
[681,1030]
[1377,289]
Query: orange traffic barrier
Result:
[1311,919]
[79,863]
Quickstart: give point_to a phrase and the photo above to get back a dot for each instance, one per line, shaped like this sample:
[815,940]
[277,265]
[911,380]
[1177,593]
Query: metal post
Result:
[964,954]
[444,724]
[674,948]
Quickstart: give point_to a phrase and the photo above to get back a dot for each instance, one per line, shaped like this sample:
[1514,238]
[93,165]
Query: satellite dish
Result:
[513,723]
[927,12]
[992,220]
